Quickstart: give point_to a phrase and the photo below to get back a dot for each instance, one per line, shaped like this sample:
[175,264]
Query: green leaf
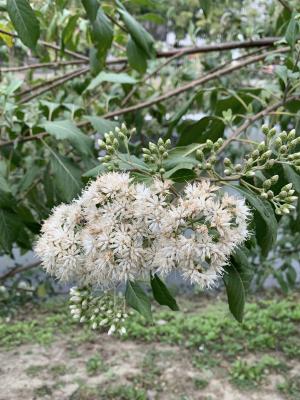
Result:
[24,20]
[6,198]
[94,172]
[292,177]
[240,260]
[91,8]
[128,162]
[138,33]
[102,32]
[101,125]
[161,293]
[137,57]
[292,31]
[138,300]
[66,177]
[264,218]
[110,77]
[68,31]
[10,227]
[198,132]
[67,130]
[236,293]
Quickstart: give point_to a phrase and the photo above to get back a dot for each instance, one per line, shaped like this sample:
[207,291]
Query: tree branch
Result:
[55,84]
[14,271]
[55,64]
[208,77]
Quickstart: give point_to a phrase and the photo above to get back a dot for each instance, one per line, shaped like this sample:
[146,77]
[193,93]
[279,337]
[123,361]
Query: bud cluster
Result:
[104,311]
[155,154]
[283,200]
[206,154]
[111,143]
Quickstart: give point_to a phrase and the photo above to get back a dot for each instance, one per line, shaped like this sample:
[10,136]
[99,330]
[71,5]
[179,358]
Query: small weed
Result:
[58,370]
[34,370]
[94,365]
[247,374]
[200,383]
[43,391]
[291,387]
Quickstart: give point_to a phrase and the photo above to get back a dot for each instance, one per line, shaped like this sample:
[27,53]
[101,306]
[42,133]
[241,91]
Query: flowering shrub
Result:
[120,230]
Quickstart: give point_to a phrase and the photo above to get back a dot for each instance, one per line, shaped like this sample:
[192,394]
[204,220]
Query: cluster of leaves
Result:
[49,127]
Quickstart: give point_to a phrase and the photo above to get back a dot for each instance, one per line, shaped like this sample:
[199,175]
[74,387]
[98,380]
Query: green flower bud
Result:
[264,195]
[152,147]
[146,157]
[165,155]
[162,171]
[267,184]
[255,153]
[209,144]
[291,199]
[283,136]
[274,179]
[168,143]
[227,172]
[110,149]
[110,167]
[160,142]
[295,142]
[146,151]
[199,154]
[101,144]
[270,194]
[283,194]
[265,129]
[250,173]
[238,167]
[278,143]
[121,136]
[283,149]
[227,162]
[278,211]
[107,158]
[272,132]
[291,135]
[262,146]
[220,141]
[266,155]
[289,186]
[208,166]
[270,163]
[115,143]
[161,149]
[213,159]
[291,192]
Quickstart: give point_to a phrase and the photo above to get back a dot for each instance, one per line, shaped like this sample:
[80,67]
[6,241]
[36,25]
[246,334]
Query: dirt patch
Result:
[57,371]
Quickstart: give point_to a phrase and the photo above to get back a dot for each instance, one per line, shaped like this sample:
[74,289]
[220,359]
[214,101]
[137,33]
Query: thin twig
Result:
[46,83]
[254,118]
[55,64]
[55,84]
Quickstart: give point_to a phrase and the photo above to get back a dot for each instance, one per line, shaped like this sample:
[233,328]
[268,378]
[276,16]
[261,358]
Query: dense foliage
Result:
[74,71]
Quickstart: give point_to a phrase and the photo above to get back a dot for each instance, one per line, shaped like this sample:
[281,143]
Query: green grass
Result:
[95,364]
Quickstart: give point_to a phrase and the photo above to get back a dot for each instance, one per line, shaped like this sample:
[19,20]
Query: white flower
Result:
[118,230]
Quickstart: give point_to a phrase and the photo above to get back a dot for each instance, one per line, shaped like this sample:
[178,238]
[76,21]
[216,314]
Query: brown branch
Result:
[268,41]
[166,96]
[55,64]
[285,5]
[254,118]
[17,270]
[55,84]
[50,46]
[45,83]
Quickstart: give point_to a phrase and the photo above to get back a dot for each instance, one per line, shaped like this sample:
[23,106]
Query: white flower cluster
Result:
[119,230]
